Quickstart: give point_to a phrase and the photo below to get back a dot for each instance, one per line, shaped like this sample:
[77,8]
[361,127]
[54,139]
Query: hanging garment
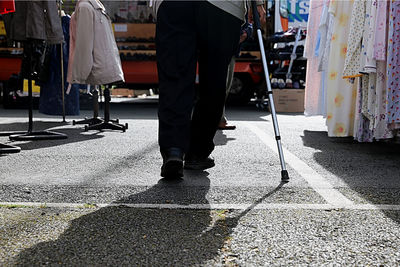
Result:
[50,101]
[341,94]
[33,59]
[7,6]
[72,41]
[355,62]
[381,126]
[362,129]
[393,65]
[352,63]
[313,101]
[368,64]
[95,53]
[326,32]
[381,23]
[37,20]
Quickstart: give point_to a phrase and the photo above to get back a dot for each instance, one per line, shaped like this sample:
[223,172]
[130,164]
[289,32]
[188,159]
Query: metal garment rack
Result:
[62,65]
[8,149]
[95,119]
[107,123]
[31,135]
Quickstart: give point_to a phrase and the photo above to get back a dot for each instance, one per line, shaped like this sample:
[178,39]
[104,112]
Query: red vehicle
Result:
[248,75]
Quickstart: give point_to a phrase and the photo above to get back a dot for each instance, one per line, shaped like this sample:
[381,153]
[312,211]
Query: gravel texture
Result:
[114,167]
[152,237]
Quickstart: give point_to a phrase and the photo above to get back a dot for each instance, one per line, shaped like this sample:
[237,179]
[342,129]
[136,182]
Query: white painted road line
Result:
[224,206]
[315,180]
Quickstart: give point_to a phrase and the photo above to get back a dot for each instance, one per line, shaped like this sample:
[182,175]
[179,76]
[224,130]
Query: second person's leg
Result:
[218,39]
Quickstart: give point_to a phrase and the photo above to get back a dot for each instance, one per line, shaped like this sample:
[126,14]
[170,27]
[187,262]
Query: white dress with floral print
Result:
[341,93]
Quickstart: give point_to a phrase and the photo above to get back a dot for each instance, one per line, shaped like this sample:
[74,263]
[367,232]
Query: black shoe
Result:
[172,163]
[197,163]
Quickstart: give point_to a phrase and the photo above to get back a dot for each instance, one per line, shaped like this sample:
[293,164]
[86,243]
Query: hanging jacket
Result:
[37,20]
[94,52]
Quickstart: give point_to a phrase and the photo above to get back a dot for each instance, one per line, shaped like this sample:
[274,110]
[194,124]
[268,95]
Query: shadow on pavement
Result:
[221,139]
[75,135]
[370,169]
[144,111]
[142,237]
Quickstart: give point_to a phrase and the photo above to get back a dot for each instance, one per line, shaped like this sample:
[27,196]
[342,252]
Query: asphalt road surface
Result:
[97,198]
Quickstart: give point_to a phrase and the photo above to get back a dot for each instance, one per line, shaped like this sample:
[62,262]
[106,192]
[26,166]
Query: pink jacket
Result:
[94,56]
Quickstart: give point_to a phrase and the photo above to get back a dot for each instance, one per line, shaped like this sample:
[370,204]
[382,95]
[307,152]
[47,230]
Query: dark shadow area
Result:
[125,236]
[146,110]
[370,169]
[75,135]
[221,139]
[23,126]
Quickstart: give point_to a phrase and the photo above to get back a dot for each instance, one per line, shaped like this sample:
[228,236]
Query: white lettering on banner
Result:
[304,8]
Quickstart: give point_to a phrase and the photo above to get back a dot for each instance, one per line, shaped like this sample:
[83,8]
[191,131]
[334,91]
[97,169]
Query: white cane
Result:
[256,18]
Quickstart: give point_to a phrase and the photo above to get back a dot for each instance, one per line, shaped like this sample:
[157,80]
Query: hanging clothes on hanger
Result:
[353,52]
[341,94]
[325,29]
[94,52]
[354,66]
[50,101]
[382,130]
[393,65]
[313,100]
[36,20]
[380,46]
[36,24]
[364,52]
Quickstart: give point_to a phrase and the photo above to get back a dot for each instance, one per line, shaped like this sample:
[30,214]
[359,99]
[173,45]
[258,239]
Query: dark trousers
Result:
[189,32]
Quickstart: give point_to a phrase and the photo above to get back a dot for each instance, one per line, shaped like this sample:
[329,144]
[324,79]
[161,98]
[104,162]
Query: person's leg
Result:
[223,124]
[229,78]
[176,64]
[219,34]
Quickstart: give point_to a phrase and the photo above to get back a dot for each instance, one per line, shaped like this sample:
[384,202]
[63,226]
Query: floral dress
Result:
[341,93]
[361,64]
[393,65]
[380,45]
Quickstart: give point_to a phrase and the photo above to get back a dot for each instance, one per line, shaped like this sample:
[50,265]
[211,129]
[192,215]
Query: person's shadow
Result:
[121,235]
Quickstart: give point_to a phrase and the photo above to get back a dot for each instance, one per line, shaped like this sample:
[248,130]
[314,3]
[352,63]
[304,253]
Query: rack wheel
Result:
[73,122]
[126,126]
[117,120]
[86,128]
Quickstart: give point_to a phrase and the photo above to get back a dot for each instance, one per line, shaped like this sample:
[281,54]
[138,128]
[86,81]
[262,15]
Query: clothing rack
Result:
[95,119]
[62,66]
[107,123]
[31,135]
[8,149]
